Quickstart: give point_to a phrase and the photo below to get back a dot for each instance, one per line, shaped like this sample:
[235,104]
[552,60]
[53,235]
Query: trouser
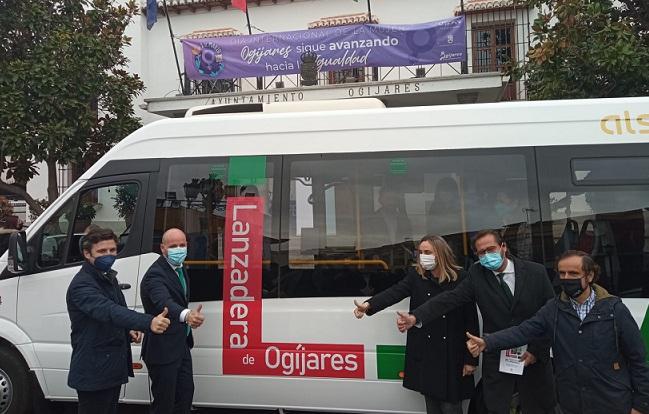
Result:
[99,402]
[434,406]
[172,386]
[535,387]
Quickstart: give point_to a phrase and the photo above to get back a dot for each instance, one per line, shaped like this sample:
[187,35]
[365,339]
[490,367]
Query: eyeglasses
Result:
[490,249]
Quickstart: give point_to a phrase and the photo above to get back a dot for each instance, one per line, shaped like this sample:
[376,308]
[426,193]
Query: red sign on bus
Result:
[244,352]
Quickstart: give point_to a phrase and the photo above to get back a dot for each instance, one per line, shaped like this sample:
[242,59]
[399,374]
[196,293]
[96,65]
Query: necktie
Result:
[505,288]
[183,283]
[181,277]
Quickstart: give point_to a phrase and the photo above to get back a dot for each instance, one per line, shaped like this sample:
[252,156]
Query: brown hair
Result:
[588,265]
[445,258]
[487,232]
[95,236]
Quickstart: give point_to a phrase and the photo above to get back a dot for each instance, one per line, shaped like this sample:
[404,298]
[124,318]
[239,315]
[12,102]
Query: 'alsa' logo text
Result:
[618,125]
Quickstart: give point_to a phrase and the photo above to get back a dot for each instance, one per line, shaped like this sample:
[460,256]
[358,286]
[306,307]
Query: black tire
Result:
[15,387]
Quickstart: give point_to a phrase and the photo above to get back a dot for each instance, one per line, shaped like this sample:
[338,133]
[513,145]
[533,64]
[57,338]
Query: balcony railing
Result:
[495,39]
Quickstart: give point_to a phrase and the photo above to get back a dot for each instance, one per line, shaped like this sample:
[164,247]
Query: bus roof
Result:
[493,125]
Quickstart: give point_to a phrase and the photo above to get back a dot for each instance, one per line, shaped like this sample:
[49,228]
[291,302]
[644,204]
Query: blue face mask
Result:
[176,255]
[491,261]
[104,263]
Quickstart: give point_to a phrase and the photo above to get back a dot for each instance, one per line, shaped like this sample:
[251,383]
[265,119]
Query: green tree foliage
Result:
[125,201]
[65,94]
[637,13]
[587,49]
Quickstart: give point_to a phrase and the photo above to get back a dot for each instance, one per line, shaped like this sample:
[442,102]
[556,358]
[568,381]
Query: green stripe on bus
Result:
[644,330]
[248,170]
[390,361]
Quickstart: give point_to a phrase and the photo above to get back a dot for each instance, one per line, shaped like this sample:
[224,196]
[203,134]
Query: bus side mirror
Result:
[18,260]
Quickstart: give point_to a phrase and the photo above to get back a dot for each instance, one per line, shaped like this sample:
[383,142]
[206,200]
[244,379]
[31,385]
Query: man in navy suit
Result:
[168,357]
[103,327]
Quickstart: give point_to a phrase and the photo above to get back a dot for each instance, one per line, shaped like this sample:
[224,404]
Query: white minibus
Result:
[282,211]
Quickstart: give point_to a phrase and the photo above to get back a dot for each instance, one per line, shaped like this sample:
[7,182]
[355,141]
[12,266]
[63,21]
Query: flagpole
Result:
[464,66]
[369,11]
[248,20]
[173,44]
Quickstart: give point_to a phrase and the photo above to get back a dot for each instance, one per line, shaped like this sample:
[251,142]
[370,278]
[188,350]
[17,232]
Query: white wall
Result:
[37,187]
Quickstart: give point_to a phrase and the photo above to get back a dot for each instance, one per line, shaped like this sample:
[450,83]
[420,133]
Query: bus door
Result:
[56,256]
[596,199]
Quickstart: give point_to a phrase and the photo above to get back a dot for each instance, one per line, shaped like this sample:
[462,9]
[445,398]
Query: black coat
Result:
[532,290]
[101,350]
[160,288]
[435,353]
[600,363]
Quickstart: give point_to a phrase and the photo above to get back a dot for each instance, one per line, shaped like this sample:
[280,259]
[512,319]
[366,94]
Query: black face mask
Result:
[572,287]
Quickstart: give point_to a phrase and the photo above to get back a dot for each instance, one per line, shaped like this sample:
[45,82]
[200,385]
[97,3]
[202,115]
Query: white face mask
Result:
[427,261]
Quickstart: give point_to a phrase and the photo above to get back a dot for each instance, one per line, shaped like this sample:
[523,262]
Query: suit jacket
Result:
[160,288]
[532,290]
[101,345]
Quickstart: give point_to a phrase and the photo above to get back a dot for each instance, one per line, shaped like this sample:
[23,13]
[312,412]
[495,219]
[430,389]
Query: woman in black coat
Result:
[438,364]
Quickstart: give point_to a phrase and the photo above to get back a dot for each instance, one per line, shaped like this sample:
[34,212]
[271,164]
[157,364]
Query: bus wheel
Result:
[14,383]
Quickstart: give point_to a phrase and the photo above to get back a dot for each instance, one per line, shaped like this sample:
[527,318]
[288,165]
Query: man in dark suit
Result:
[508,291]
[168,357]
[102,327]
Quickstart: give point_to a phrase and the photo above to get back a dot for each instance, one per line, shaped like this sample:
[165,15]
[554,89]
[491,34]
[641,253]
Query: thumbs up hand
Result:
[195,318]
[405,321]
[360,309]
[160,323]
[475,345]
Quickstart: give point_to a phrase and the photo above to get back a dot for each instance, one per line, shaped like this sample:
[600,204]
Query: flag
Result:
[151,13]
[240,4]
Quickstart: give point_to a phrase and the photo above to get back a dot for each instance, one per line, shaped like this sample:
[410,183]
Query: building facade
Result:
[497,34]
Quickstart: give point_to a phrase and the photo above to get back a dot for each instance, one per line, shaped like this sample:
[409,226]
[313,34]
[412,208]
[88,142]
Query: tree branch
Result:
[14,189]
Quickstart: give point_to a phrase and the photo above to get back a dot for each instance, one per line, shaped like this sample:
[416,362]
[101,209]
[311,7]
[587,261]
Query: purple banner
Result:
[343,47]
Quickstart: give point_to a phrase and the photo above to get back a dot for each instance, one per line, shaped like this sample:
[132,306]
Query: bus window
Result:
[610,224]
[355,219]
[599,205]
[617,170]
[54,236]
[192,195]
[111,207]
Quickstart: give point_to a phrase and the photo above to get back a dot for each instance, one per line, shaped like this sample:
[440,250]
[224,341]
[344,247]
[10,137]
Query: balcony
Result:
[497,33]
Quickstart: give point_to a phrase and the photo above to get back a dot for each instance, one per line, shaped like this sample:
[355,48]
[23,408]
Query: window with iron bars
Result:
[494,46]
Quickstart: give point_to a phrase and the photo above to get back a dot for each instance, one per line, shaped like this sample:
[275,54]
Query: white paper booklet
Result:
[510,360]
